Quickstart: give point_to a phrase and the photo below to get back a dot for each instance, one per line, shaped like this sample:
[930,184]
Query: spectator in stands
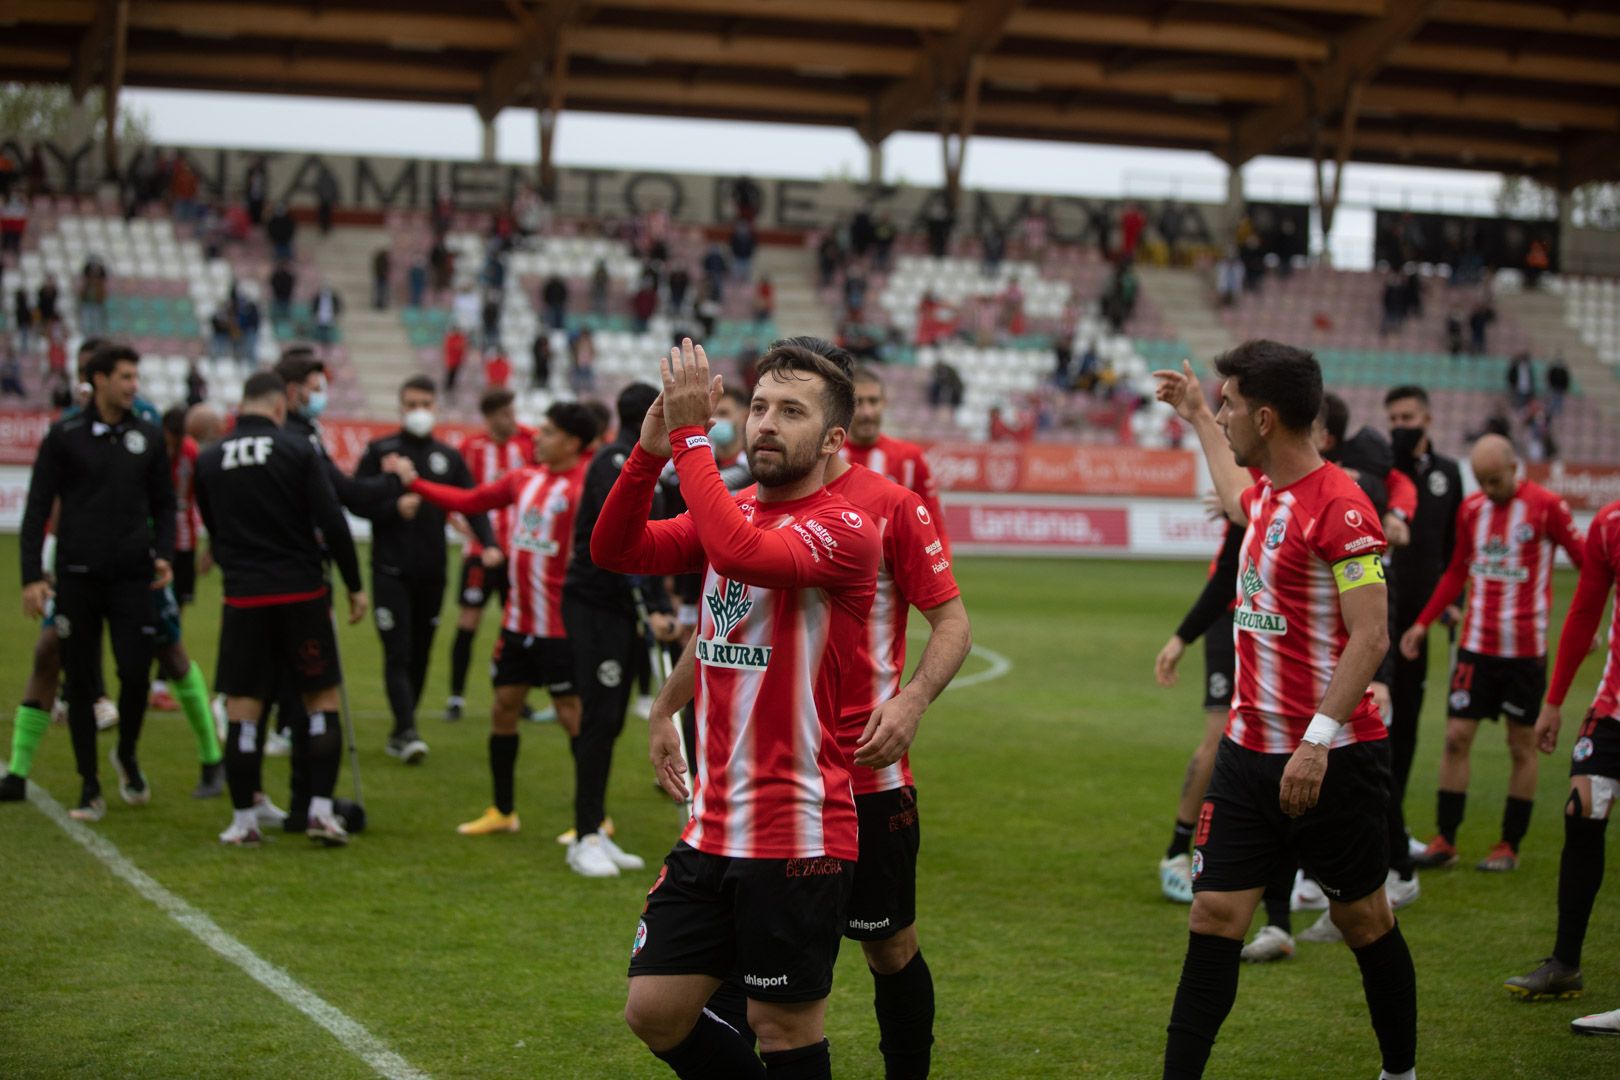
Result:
[829,257]
[22,319]
[860,341]
[47,303]
[1253,257]
[1479,323]
[283,282]
[196,385]
[854,290]
[11,384]
[490,320]
[992,248]
[497,370]
[467,309]
[679,284]
[1393,304]
[8,175]
[883,236]
[247,326]
[34,174]
[326,197]
[280,231]
[256,185]
[455,355]
[764,300]
[1119,297]
[582,362]
[1089,377]
[747,196]
[1414,291]
[56,350]
[1228,278]
[1536,262]
[324,309]
[1521,381]
[13,224]
[1131,223]
[1172,223]
[1062,369]
[1035,227]
[715,268]
[554,298]
[939,224]
[1557,387]
[443,215]
[936,322]
[1290,246]
[222,324]
[494,272]
[93,297]
[1010,426]
[708,308]
[862,231]
[183,190]
[382,272]
[540,360]
[644,304]
[416,282]
[528,211]
[1454,332]
[441,267]
[1012,308]
[743,244]
[945,387]
[601,286]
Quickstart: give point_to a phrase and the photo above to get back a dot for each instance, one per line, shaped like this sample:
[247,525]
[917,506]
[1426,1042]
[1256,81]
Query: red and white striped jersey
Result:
[1599,570]
[488,461]
[1288,629]
[543,504]
[1504,554]
[905,464]
[183,474]
[787,587]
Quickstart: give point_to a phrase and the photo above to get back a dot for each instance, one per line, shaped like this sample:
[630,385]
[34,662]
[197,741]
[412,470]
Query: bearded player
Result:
[901,461]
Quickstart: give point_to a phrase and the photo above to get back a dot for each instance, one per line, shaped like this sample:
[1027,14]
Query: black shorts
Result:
[533,661]
[479,583]
[1597,748]
[884,899]
[1220,663]
[1343,841]
[185,576]
[772,924]
[260,645]
[1488,687]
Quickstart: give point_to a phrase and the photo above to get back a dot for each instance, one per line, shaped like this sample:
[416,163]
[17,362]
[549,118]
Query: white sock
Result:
[159,686]
[1409,1074]
[457,700]
[320,809]
[244,819]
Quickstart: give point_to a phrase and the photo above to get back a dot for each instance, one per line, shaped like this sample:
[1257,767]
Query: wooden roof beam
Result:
[939,71]
[936,15]
[739,50]
[300,22]
[399,76]
[1358,54]
[1248,87]
[1528,109]
[1589,160]
[1464,151]
[1181,34]
[1506,63]
[1104,120]
[1315,7]
[1524,15]
[517,70]
[90,57]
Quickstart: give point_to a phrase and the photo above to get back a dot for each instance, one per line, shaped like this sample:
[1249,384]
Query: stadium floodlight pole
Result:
[658,664]
[343,709]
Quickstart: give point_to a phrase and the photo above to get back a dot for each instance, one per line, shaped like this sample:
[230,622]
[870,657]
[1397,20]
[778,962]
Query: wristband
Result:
[1322,730]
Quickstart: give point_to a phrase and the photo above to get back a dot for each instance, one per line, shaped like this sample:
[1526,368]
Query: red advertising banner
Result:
[1584,487]
[21,434]
[1037,525]
[1064,469]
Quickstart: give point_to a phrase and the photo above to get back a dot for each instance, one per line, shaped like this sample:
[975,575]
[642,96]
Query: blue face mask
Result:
[722,434]
[315,405]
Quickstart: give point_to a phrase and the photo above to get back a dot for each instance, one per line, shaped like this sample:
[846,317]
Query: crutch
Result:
[348,717]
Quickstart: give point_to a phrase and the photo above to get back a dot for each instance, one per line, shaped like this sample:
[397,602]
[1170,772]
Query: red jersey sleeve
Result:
[837,551]
[490,496]
[1586,609]
[1456,575]
[1561,529]
[928,492]
[918,558]
[625,542]
[1403,494]
[1347,527]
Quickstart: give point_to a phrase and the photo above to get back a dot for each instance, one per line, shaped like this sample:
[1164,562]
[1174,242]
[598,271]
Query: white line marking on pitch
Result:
[999,664]
[355,1039]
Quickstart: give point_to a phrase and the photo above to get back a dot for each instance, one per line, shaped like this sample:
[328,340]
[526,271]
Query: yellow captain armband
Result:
[1358,570]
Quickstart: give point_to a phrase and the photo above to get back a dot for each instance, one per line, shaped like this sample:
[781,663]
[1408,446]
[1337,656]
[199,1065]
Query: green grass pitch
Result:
[1047,795]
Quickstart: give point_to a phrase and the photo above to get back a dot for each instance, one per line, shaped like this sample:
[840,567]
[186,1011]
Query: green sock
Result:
[192,694]
[28,728]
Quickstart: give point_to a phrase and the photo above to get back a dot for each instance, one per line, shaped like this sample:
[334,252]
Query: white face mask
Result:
[419,422]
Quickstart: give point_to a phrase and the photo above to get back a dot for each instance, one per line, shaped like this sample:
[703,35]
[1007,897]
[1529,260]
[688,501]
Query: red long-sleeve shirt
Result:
[787,589]
[1598,574]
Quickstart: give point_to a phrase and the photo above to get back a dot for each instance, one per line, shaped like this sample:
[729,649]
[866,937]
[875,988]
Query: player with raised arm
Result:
[1594,775]
[1303,771]
[759,882]
[1506,539]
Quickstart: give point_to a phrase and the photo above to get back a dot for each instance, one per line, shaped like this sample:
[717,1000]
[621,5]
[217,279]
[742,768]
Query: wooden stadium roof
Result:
[1528,86]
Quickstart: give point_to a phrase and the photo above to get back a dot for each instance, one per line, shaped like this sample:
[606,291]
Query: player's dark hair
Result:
[1276,376]
[836,353]
[574,419]
[107,356]
[601,414]
[418,382]
[737,394]
[494,400]
[1407,390]
[90,345]
[297,363]
[634,401]
[174,421]
[796,361]
[1335,416]
[264,386]
[864,374]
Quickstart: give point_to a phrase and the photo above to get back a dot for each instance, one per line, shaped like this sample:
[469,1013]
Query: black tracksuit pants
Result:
[605,645]
[84,604]
[407,615]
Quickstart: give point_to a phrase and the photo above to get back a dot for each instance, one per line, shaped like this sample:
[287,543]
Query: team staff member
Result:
[407,559]
[758,885]
[1594,775]
[1506,539]
[115,544]
[504,446]
[900,461]
[263,493]
[599,607]
[1289,784]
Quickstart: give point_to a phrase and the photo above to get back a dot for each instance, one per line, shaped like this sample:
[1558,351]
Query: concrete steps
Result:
[379,350]
[1183,297]
[1543,318]
[799,307]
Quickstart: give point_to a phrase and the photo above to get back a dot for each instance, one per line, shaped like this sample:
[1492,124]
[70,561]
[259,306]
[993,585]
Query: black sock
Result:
[1448,813]
[460,660]
[1516,821]
[1209,981]
[713,1051]
[1390,983]
[812,1062]
[904,1003]
[1279,898]
[502,766]
[730,1004]
[1180,840]
[324,750]
[242,765]
[1580,875]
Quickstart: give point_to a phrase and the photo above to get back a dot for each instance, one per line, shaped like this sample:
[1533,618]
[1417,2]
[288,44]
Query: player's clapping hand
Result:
[664,628]
[1547,725]
[408,505]
[889,733]
[1180,391]
[491,557]
[664,748]
[1396,531]
[162,573]
[1302,779]
[1164,665]
[34,598]
[400,466]
[359,607]
[1381,700]
[1412,641]
[690,394]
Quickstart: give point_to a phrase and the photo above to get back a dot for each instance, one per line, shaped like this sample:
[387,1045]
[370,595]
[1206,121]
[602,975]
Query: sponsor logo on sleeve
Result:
[922,515]
[809,542]
[852,519]
[934,549]
[820,532]
[941,566]
[1352,518]
[1361,543]
[695,441]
